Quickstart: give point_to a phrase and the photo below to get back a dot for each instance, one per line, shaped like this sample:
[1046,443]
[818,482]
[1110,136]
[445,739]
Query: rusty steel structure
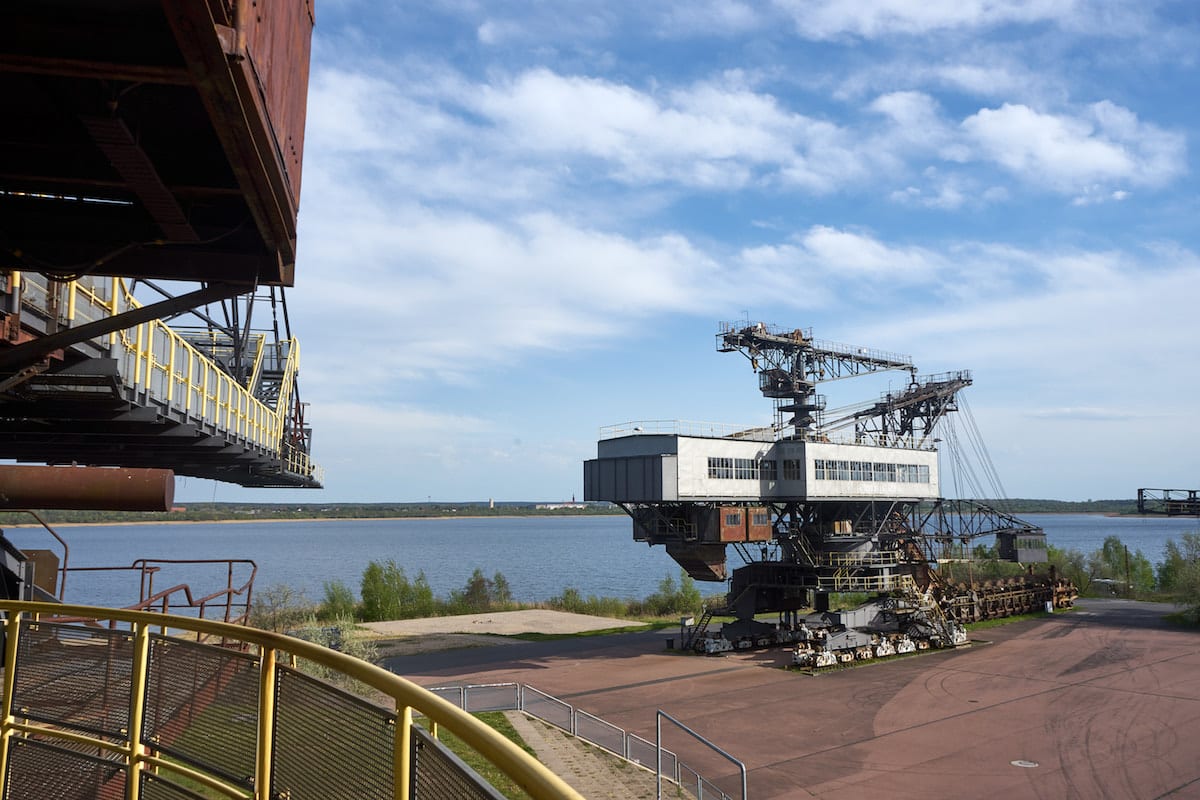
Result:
[1170,502]
[153,138]
[86,488]
[151,173]
[821,505]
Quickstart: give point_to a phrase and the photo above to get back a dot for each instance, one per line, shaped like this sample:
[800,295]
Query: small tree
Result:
[1114,562]
[671,599]
[481,594]
[1071,565]
[502,596]
[338,603]
[475,596]
[388,594]
[1179,573]
[1179,556]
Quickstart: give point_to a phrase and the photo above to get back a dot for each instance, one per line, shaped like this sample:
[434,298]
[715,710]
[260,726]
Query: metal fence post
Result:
[137,709]
[402,774]
[12,630]
[678,775]
[266,724]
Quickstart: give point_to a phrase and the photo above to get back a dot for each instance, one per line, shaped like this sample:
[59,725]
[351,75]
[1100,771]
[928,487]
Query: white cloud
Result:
[947,192]
[474,294]
[710,17]
[1105,145]
[987,80]
[870,19]
[706,135]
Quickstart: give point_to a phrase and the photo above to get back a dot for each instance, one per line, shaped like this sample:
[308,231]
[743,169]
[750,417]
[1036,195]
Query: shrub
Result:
[482,594]
[279,608]
[388,594]
[338,603]
[336,634]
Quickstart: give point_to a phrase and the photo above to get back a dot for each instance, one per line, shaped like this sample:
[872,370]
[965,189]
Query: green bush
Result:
[388,594]
[338,603]
[1179,573]
[482,594]
[336,634]
[671,600]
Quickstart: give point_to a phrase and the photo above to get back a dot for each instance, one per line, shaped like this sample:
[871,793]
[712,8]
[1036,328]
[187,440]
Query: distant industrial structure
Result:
[1169,502]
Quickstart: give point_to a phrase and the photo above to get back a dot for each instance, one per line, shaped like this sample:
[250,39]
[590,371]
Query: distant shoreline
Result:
[241,521]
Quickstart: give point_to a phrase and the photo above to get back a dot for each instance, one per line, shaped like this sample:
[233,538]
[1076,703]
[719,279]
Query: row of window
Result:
[829,470]
[754,469]
[758,519]
[826,470]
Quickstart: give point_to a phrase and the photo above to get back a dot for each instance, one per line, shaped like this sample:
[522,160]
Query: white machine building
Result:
[636,466]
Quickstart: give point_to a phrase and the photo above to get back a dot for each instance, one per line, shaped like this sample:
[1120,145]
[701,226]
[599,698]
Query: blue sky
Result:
[522,221]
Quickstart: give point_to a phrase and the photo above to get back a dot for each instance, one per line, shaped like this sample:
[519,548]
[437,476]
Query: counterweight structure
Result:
[820,503]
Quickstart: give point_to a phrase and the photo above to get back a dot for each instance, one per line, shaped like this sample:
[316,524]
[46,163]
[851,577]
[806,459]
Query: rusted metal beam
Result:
[116,141]
[92,69]
[86,488]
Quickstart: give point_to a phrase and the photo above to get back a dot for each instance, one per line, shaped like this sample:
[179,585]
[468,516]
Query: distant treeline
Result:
[222,512]
[1034,506]
[219,512]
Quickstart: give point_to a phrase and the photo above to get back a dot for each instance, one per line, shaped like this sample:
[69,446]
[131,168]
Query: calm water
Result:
[538,555]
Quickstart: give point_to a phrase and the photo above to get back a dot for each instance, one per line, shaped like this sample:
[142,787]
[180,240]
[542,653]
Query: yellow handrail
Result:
[217,395]
[408,697]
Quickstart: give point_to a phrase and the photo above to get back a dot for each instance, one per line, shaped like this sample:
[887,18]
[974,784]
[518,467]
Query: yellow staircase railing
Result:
[160,364]
[157,709]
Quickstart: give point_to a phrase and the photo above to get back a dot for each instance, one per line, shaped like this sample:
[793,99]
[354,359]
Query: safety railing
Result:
[230,602]
[573,721]
[877,558]
[723,430]
[675,427]
[116,708]
[844,582]
[161,364]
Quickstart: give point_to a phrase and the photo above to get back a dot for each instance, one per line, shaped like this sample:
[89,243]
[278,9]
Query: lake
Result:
[540,556]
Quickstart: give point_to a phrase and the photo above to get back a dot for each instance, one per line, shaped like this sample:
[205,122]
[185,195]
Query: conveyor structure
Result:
[151,169]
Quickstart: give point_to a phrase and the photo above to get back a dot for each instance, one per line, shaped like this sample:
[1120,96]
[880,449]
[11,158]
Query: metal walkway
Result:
[146,395]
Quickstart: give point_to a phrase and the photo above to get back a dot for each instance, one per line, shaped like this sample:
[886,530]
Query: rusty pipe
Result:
[86,488]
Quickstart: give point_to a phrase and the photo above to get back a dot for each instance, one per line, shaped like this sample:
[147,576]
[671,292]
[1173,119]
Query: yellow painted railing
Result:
[136,756]
[165,366]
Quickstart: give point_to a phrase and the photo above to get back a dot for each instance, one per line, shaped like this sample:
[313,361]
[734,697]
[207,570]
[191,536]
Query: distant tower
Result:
[491,503]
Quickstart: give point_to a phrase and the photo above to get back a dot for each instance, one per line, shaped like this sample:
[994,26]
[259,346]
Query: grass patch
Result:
[550,637]
[490,773]
[995,623]
[1183,619]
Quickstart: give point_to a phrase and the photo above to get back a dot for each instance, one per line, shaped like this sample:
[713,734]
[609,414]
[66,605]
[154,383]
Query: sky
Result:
[522,221]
